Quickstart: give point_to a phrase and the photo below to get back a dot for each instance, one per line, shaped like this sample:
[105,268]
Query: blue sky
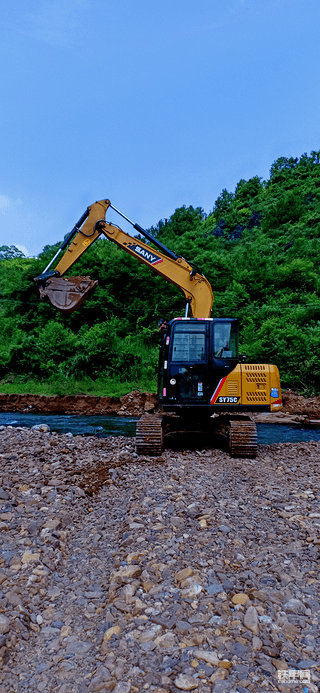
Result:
[151,104]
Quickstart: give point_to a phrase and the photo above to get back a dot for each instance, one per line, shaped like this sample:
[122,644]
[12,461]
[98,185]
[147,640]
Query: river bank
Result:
[296,408]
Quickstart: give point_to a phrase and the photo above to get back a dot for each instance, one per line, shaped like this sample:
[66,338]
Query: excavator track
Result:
[243,438]
[149,435]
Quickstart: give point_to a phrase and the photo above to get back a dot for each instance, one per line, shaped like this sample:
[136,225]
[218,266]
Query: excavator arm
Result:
[68,293]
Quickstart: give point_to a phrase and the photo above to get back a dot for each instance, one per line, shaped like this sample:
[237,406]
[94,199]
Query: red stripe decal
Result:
[217,390]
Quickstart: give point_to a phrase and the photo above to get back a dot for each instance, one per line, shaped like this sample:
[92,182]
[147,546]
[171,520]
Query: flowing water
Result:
[103,426]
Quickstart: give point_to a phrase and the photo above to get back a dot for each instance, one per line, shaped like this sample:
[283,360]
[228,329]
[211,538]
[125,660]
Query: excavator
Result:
[203,384]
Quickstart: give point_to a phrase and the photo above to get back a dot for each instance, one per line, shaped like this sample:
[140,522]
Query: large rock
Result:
[251,620]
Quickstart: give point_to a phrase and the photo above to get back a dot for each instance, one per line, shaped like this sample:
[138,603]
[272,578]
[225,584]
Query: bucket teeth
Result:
[68,293]
[149,435]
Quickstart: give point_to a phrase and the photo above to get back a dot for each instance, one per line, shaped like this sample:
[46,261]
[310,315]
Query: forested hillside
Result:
[260,250]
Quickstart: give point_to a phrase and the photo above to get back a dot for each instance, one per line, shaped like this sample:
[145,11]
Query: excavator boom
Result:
[68,294]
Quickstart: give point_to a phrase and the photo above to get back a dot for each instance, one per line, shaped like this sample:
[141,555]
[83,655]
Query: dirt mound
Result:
[132,404]
[297,404]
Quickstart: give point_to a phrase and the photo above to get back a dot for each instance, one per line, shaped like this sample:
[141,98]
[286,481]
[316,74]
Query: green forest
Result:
[260,249]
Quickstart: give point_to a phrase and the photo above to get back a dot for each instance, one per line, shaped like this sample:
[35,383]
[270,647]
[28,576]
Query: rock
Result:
[122,687]
[191,588]
[256,643]
[225,529]
[166,641]
[211,657]
[4,624]
[114,630]
[240,598]
[251,621]
[150,633]
[295,606]
[307,663]
[79,648]
[221,686]
[185,682]
[214,588]
[225,664]
[126,573]
[29,557]
[183,574]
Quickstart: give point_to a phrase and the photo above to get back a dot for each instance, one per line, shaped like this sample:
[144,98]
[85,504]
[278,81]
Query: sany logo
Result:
[146,254]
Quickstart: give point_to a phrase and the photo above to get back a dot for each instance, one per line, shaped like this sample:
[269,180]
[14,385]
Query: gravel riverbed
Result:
[191,571]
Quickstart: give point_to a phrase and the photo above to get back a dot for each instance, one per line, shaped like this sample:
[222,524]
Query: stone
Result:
[13,598]
[240,598]
[4,624]
[150,633]
[251,620]
[280,664]
[225,664]
[122,687]
[214,588]
[256,643]
[225,529]
[191,588]
[211,657]
[30,557]
[114,630]
[79,648]
[166,641]
[295,606]
[185,682]
[221,686]
[183,574]
[126,573]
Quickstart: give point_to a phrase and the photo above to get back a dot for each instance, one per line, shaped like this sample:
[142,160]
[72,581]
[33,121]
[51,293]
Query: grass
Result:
[85,386]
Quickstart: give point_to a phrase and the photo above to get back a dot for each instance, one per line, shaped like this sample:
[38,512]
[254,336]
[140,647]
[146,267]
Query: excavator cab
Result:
[194,356]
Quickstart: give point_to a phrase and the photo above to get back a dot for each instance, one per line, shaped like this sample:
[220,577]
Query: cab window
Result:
[225,340]
[189,342]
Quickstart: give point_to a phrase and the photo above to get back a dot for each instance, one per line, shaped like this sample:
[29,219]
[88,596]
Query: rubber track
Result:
[149,435]
[243,439]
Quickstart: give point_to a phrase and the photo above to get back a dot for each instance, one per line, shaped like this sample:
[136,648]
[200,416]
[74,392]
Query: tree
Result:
[8,253]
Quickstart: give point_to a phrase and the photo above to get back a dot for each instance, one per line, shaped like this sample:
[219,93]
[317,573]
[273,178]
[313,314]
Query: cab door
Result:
[188,363]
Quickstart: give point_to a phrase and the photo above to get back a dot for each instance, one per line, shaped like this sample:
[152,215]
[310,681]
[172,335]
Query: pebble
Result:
[116,575]
[4,624]
[185,682]
[239,598]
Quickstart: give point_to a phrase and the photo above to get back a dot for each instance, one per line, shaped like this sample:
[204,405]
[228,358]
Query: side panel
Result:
[255,384]
[251,386]
[228,389]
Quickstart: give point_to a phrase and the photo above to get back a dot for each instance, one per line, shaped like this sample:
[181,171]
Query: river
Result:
[103,426]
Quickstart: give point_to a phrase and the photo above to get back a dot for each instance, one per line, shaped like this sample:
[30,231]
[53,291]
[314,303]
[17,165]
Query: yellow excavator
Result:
[203,385]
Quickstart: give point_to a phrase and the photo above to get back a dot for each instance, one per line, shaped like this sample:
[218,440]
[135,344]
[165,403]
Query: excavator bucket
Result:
[68,293]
